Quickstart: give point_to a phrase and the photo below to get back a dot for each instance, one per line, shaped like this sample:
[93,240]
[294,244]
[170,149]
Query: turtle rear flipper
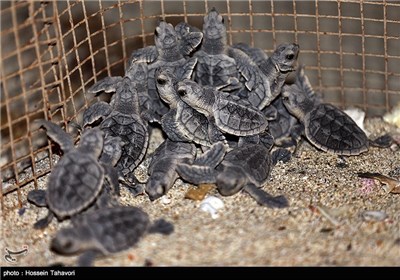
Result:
[213,156]
[37,197]
[196,174]
[57,134]
[161,226]
[108,85]
[44,222]
[265,199]
[96,112]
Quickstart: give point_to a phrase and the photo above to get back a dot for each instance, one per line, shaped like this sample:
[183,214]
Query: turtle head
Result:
[165,36]
[192,94]
[92,141]
[157,186]
[165,82]
[230,181]
[285,57]
[296,100]
[68,241]
[214,27]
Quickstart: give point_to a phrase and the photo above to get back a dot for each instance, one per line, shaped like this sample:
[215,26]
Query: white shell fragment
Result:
[211,205]
[373,216]
[358,116]
[165,200]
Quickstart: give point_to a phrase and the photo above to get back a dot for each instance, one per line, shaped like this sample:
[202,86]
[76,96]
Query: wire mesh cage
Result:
[51,51]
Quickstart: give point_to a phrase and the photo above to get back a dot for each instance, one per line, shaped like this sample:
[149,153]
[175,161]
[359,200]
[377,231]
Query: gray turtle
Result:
[182,122]
[219,65]
[326,126]
[77,179]
[229,113]
[246,167]
[274,71]
[168,155]
[122,119]
[138,73]
[169,52]
[106,231]
[162,173]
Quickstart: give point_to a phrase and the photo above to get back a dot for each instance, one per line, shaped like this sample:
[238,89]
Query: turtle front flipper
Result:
[246,67]
[111,174]
[214,134]
[134,186]
[148,54]
[43,223]
[281,154]
[196,174]
[213,156]
[161,226]
[384,141]
[186,71]
[37,197]
[190,41]
[57,134]
[95,112]
[108,85]
[88,257]
[265,199]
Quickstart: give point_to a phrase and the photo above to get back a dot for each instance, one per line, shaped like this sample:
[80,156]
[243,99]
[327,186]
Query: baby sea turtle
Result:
[122,119]
[228,112]
[163,164]
[169,52]
[219,65]
[275,69]
[246,167]
[326,126]
[162,169]
[77,179]
[182,122]
[138,74]
[106,231]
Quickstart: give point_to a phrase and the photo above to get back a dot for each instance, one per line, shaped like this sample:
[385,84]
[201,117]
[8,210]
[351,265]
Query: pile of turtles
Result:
[227,115]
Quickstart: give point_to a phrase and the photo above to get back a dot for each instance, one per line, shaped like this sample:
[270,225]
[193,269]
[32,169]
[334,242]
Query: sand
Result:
[245,233]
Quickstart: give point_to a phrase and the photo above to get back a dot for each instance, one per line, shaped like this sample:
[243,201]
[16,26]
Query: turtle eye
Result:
[223,21]
[289,56]
[156,32]
[181,92]
[161,81]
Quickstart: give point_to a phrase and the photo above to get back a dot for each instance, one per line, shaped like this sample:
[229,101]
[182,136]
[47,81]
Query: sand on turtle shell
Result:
[245,233]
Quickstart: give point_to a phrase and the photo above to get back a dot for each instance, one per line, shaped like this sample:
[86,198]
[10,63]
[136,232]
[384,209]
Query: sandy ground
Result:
[246,233]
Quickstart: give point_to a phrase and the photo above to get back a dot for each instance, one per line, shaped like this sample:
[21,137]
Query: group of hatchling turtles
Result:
[232,102]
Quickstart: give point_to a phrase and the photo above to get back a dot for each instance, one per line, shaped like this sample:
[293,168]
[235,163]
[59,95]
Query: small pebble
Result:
[376,216]
[211,205]
[165,200]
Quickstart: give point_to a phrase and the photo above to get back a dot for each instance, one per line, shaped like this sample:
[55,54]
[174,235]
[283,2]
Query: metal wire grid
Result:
[52,51]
